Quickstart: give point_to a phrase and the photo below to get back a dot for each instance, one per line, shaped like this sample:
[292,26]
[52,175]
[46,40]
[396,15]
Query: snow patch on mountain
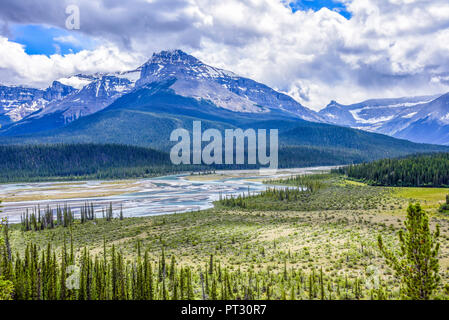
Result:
[18,102]
[95,96]
[358,119]
[22,110]
[77,81]
[410,115]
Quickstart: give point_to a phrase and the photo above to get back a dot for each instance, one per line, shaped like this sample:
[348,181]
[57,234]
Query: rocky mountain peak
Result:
[173,57]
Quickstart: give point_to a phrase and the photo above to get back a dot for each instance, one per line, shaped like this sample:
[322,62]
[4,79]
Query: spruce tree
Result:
[5,230]
[6,286]
[416,263]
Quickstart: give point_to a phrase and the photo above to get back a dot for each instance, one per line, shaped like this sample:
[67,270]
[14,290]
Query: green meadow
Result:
[320,243]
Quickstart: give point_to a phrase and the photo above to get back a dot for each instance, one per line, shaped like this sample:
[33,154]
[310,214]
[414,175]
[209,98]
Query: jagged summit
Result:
[178,64]
[176,56]
[333,103]
[423,119]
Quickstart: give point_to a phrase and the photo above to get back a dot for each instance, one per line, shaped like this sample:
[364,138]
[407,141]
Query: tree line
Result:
[80,161]
[295,188]
[39,219]
[53,162]
[62,162]
[429,170]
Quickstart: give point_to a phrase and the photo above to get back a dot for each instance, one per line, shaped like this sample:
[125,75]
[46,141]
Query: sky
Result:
[316,51]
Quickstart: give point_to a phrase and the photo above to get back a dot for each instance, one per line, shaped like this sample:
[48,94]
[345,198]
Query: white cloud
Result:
[388,48]
[19,68]
[70,39]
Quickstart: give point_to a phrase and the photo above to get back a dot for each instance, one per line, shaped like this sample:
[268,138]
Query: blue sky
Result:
[316,5]
[40,39]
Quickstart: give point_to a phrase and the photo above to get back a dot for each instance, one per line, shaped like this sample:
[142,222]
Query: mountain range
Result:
[18,102]
[173,88]
[419,119]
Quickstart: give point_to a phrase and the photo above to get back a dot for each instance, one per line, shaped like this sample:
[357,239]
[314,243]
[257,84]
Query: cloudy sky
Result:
[317,51]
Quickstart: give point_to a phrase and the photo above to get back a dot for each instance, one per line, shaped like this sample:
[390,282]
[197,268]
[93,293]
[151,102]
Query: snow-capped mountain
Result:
[79,81]
[370,114]
[191,78]
[18,102]
[425,123]
[419,119]
[223,88]
[95,93]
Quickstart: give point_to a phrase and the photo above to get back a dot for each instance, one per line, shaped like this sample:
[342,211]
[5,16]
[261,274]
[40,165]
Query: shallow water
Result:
[144,197]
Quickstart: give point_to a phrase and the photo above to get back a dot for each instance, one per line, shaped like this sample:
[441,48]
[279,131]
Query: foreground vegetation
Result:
[43,275]
[319,242]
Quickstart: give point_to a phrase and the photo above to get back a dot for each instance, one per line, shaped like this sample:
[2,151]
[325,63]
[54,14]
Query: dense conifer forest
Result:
[429,170]
[80,161]
[32,163]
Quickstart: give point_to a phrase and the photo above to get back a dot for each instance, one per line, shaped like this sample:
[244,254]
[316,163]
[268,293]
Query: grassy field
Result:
[334,228]
[430,198]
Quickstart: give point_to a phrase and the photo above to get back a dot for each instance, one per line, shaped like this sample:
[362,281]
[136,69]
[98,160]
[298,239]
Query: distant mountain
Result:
[370,114]
[25,111]
[418,119]
[18,102]
[426,123]
[99,91]
[146,117]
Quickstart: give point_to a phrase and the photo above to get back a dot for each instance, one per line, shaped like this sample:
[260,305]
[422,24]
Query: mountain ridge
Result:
[194,79]
[17,102]
[422,119]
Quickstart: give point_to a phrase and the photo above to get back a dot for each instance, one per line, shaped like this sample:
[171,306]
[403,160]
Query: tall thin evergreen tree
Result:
[416,264]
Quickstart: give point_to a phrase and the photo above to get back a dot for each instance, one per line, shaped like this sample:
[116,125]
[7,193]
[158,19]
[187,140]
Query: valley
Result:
[321,246]
[142,197]
[89,157]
